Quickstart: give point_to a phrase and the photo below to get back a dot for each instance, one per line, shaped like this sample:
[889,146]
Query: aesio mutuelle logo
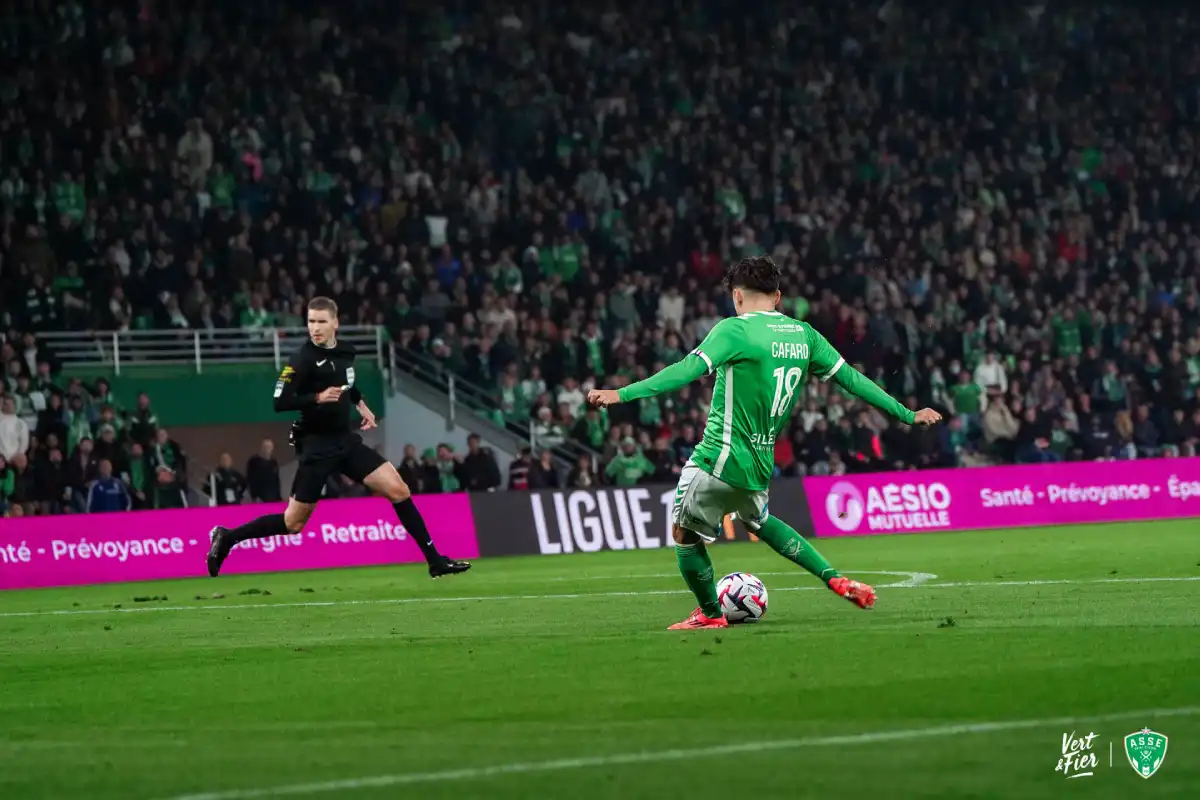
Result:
[844,506]
[892,507]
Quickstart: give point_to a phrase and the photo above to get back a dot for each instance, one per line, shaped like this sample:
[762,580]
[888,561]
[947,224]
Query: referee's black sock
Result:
[261,528]
[410,518]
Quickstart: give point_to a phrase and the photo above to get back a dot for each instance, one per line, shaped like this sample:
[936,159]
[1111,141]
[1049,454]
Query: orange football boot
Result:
[698,620]
[860,594]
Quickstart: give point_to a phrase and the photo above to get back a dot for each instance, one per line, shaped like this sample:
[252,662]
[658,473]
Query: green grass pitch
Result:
[554,677]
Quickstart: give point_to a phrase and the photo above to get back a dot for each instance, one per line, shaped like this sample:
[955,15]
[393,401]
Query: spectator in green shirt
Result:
[629,466]
[69,197]
[566,256]
[593,428]
[1067,338]
[1109,390]
[319,181]
[449,467]
[79,423]
[732,201]
[221,186]
[649,412]
[256,316]
[972,340]
[968,398]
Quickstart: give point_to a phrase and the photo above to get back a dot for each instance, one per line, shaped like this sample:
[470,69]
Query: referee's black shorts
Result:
[322,457]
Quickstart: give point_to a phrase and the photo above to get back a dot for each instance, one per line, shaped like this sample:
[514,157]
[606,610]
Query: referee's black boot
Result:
[447,566]
[222,543]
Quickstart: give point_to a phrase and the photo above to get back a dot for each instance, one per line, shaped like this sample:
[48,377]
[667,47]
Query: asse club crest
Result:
[1146,751]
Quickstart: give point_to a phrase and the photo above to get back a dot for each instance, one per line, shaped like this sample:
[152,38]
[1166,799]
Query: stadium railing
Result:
[477,400]
[198,348]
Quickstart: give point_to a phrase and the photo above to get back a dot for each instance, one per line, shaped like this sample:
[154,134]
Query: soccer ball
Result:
[743,597]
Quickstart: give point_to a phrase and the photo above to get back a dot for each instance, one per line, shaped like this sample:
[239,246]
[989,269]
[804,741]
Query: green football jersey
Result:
[761,359]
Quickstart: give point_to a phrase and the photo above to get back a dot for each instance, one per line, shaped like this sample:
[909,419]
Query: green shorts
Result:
[702,503]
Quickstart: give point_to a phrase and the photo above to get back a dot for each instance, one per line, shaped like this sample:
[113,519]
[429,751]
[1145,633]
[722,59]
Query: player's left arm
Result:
[667,379]
[827,364]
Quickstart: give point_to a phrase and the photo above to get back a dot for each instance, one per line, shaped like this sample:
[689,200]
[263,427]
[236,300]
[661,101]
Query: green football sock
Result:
[697,570]
[783,539]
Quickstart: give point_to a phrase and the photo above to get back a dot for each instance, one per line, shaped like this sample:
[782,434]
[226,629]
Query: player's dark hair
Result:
[323,304]
[755,274]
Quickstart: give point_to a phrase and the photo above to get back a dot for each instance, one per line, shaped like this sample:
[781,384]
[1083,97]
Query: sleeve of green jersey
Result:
[668,379]
[827,364]
[721,346]
[824,361]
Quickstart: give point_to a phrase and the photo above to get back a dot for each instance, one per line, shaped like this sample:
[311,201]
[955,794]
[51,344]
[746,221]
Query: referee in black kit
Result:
[319,383]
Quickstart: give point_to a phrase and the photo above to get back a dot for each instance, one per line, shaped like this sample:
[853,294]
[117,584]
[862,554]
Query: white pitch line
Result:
[1063,582]
[913,579]
[909,584]
[655,756]
[396,601]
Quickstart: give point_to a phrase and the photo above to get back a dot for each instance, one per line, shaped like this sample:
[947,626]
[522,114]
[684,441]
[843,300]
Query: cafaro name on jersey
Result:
[789,350]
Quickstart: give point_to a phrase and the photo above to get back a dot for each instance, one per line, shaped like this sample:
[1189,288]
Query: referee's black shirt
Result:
[310,371]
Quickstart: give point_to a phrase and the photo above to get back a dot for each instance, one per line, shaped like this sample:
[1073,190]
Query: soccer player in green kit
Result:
[761,357]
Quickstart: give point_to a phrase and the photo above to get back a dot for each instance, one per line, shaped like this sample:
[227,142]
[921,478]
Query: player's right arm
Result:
[827,364]
[288,396]
[294,375]
[722,345]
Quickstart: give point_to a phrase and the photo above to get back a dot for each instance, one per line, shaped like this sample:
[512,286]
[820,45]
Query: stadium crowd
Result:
[986,208]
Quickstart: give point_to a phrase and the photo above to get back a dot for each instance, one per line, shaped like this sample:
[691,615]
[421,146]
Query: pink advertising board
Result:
[79,549]
[1004,497]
